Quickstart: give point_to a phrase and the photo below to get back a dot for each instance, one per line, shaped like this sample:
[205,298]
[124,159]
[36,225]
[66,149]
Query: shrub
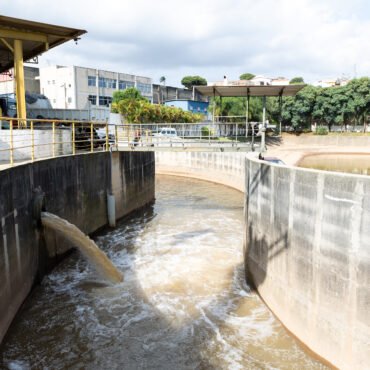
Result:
[321,130]
[141,111]
[206,132]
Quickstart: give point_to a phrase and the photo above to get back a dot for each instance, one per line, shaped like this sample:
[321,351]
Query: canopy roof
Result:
[251,90]
[37,38]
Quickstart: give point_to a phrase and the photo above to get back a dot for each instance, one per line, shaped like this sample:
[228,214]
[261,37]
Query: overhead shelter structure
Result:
[22,40]
[251,90]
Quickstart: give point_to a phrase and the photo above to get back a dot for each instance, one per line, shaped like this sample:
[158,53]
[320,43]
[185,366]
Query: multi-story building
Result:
[31,81]
[74,87]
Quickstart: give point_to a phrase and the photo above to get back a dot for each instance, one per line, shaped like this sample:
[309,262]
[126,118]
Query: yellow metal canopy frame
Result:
[22,40]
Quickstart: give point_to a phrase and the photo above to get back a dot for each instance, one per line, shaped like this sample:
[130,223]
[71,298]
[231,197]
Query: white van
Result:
[167,132]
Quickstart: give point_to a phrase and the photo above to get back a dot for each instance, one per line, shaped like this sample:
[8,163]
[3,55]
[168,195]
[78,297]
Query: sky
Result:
[314,39]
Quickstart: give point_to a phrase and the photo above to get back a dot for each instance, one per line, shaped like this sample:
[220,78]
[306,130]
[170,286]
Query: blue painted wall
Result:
[189,105]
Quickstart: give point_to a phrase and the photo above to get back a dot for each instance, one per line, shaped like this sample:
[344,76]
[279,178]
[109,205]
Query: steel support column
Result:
[280,112]
[19,78]
[247,116]
[263,128]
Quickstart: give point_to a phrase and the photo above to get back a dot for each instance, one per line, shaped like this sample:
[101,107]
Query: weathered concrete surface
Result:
[227,168]
[308,253]
[76,189]
[307,246]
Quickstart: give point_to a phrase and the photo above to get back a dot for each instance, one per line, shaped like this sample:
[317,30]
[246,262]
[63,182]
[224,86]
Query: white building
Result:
[332,82]
[31,82]
[261,80]
[75,87]
[280,81]
[258,80]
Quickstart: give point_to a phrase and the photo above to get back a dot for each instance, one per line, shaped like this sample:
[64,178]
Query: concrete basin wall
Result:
[307,246]
[308,254]
[76,189]
[227,168]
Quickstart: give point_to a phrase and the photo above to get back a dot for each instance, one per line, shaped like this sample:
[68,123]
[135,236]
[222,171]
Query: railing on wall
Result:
[31,139]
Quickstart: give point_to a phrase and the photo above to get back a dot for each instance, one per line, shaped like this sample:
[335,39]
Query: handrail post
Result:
[53,139]
[128,135]
[106,137]
[116,135]
[11,142]
[91,137]
[32,142]
[73,139]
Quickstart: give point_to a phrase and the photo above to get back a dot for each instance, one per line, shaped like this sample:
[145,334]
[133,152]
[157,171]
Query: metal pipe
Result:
[263,128]
[280,112]
[247,116]
[111,202]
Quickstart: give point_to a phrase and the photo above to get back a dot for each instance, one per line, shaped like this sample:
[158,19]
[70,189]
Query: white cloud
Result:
[313,39]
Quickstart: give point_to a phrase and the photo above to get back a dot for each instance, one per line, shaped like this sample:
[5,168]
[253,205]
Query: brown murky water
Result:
[183,304]
[350,163]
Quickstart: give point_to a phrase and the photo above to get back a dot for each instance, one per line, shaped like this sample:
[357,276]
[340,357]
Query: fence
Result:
[32,139]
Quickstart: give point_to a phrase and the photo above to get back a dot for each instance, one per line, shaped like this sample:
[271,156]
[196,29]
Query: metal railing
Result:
[31,139]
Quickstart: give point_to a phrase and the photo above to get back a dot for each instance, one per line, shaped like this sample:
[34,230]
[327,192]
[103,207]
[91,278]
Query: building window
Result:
[122,85]
[92,99]
[107,82]
[91,80]
[144,88]
[105,100]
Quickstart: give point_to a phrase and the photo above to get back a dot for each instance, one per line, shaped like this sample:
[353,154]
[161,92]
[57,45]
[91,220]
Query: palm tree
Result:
[162,80]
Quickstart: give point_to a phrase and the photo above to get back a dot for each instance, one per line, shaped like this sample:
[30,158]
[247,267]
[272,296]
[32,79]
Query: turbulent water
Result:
[85,245]
[183,304]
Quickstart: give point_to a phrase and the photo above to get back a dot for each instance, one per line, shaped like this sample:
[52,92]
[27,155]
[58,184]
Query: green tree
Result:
[246,76]
[190,81]
[130,93]
[358,100]
[296,80]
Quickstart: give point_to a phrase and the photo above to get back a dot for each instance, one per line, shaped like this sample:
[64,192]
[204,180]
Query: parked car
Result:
[102,133]
[83,137]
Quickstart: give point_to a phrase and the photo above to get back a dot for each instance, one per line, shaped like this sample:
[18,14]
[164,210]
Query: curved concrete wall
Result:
[75,188]
[227,168]
[307,246]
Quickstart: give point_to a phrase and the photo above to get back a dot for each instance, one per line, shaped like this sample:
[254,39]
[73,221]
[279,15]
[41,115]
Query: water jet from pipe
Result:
[84,244]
